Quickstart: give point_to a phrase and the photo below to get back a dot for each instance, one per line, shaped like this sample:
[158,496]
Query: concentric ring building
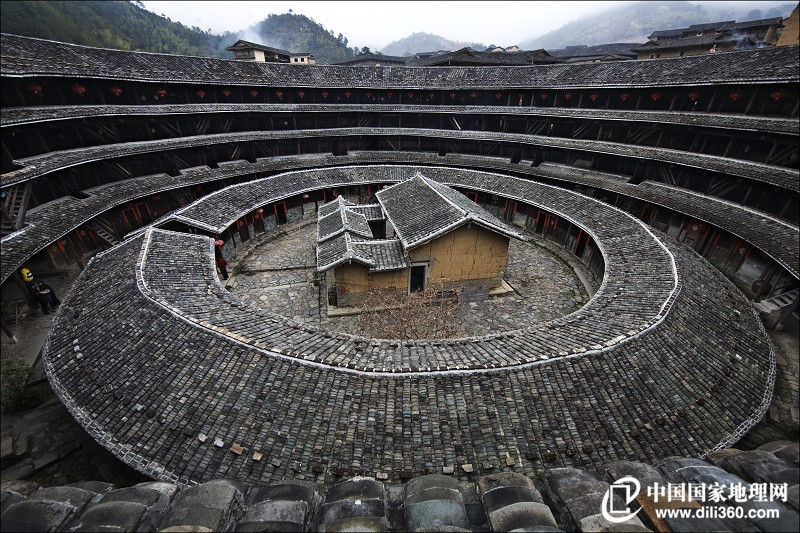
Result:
[664,178]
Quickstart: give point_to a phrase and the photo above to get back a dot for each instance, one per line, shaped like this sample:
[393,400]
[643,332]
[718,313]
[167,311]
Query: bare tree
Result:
[428,314]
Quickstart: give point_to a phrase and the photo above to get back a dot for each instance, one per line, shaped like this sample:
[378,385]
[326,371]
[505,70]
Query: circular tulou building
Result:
[674,182]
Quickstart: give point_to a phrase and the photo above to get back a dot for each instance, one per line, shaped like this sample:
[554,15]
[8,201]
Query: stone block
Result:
[20,486]
[140,495]
[118,515]
[424,483]
[598,523]
[427,515]
[522,516]
[259,527]
[284,490]
[277,511]
[341,509]
[36,515]
[9,498]
[434,493]
[209,505]
[73,496]
[502,496]
[365,524]
[363,489]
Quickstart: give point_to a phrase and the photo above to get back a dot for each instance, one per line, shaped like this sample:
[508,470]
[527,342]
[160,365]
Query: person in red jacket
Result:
[223,267]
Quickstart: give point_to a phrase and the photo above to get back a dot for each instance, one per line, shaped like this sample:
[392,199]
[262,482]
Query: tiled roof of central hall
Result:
[421,209]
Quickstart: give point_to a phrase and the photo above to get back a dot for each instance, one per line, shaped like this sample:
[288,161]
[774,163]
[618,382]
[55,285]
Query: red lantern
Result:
[78,89]
[324,94]
[624,97]
[473,94]
[594,96]
[777,96]
[498,95]
[35,88]
[735,95]
[278,93]
[430,96]
[219,242]
[260,211]
[543,96]
[116,91]
[389,94]
[226,92]
[694,95]
[157,197]
[567,96]
[305,197]
[521,96]
[201,93]
[655,97]
[254,93]
[369,94]
[347,94]
[301,94]
[161,92]
[452,95]
[411,94]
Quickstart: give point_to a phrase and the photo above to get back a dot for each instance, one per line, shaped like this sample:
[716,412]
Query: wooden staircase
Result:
[14,206]
[104,230]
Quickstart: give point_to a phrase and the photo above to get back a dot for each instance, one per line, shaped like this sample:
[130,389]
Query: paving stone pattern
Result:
[560,499]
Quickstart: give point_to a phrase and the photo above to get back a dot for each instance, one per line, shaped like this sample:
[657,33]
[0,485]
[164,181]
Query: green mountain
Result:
[424,42]
[295,33]
[128,26]
[633,22]
[118,25]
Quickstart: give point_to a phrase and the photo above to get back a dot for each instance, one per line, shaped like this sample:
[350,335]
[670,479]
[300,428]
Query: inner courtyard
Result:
[277,272]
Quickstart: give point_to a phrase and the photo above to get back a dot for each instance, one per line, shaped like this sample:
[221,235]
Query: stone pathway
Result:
[279,275]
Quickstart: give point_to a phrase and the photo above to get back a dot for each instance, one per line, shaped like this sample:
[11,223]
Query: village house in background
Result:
[790,35]
[247,51]
[710,37]
[420,232]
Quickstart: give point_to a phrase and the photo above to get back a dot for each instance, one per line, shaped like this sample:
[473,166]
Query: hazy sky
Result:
[377,23]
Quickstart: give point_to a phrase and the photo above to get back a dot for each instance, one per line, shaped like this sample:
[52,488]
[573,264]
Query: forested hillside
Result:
[120,25]
[295,33]
[128,26]
[633,22]
[425,42]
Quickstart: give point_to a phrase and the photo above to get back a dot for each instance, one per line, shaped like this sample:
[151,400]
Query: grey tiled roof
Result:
[157,295]
[10,116]
[24,56]
[370,212]
[421,210]
[383,254]
[687,42]
[45,225]
[332,222]
[41,165]
[293,392]
[343,235]
[474,57]
[561,499]
[615,49]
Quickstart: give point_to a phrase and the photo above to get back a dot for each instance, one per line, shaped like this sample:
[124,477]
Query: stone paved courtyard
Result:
[278,273]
